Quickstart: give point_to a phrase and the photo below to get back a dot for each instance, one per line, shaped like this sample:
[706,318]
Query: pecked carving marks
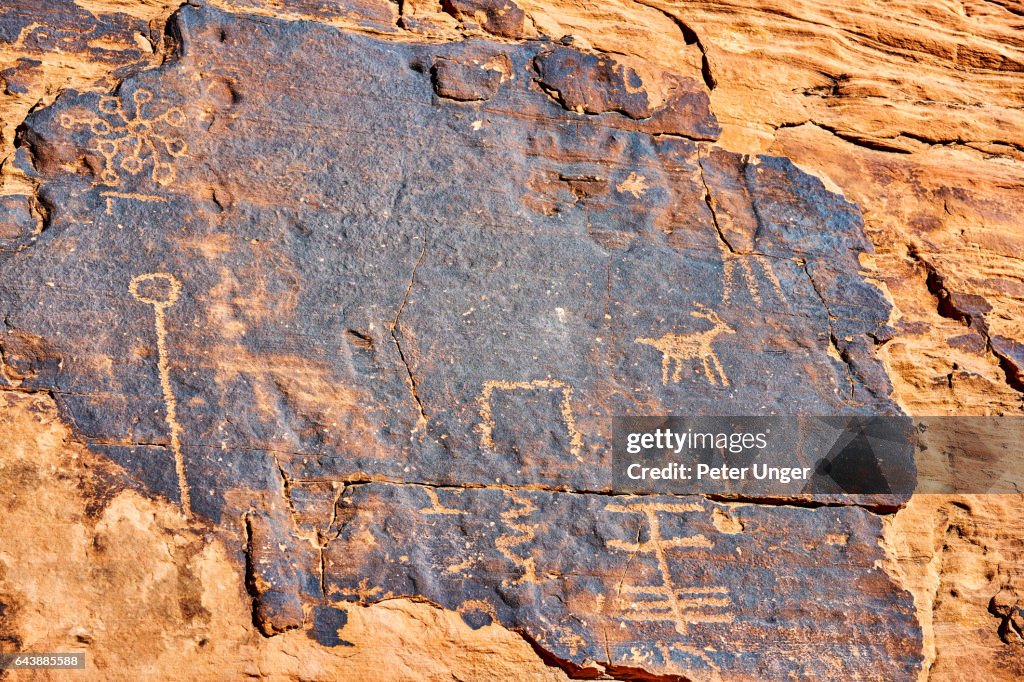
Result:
[130,140]
[498,17]
[470,80]
[591,83]
[452,224]
[647,583]
[594,84]
[493,275]
[161,290]
[487,419]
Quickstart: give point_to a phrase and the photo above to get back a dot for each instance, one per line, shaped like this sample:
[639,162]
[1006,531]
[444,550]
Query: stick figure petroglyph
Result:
[135,139]
[677,348]
[161,291]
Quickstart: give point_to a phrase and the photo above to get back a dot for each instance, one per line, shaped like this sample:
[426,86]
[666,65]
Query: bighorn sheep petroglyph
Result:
[677,348]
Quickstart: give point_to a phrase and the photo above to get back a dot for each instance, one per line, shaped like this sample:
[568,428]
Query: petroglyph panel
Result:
[669,585]
[381,273]
[365,303]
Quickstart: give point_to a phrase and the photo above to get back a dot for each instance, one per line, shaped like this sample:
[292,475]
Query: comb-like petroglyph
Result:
[396,276]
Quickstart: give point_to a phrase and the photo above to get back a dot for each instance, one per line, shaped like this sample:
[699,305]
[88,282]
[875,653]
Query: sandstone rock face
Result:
[654,584]
[96,567]
[323,312]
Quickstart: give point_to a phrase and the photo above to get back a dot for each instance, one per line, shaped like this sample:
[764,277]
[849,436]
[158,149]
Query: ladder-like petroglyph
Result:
[676,349]
[664,600]
[161,290]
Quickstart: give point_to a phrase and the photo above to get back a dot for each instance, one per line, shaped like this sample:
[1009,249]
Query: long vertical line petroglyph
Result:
[167,290]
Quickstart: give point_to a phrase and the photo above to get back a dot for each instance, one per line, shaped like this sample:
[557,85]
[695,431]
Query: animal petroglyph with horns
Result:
[678,348]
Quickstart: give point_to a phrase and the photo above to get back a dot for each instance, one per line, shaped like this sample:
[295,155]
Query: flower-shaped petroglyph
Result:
[130,143]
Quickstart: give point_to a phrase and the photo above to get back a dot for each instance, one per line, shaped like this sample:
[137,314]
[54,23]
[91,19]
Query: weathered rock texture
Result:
[314,319]
[94,566]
